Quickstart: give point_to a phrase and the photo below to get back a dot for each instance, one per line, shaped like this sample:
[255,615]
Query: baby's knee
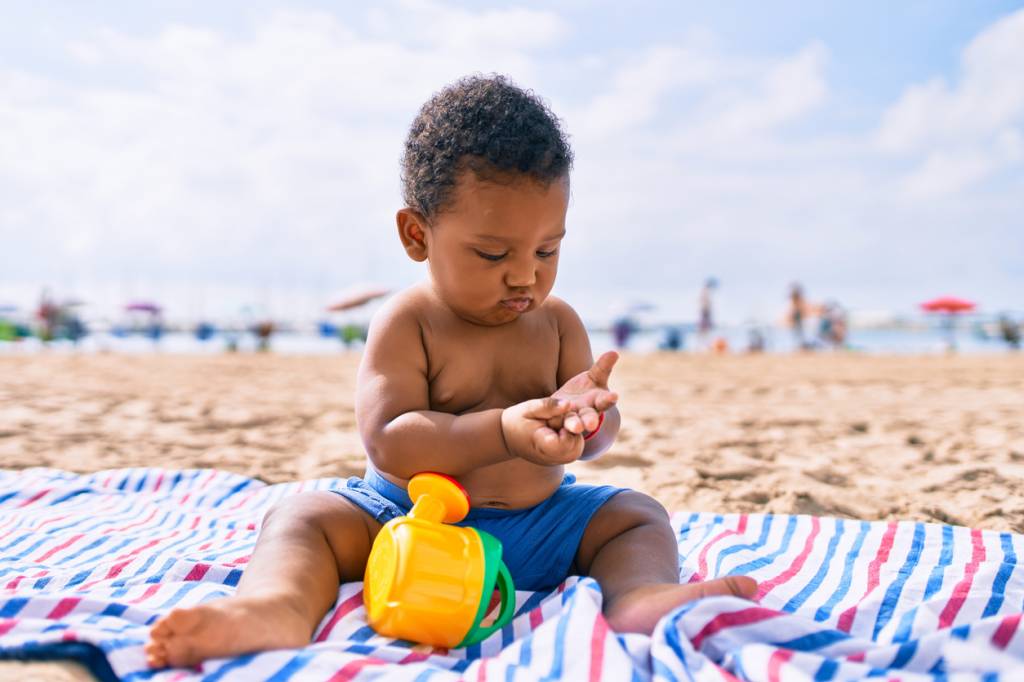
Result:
[643,508]
[314,508]
[631,509]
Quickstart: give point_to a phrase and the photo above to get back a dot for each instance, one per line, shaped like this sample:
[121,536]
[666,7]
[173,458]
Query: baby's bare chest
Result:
[474,372]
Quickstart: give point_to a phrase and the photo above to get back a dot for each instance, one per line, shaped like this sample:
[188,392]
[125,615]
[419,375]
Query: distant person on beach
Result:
[797,314]
[48,314]
[706,319]
[477,373]
[673,340]
[622,330]
[263,330]
[755,341]
[1010,331]
[832,325]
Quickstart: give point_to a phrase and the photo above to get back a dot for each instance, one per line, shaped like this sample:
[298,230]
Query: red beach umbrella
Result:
[948,304]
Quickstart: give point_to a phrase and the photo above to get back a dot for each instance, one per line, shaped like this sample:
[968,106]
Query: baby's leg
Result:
[630,549]
[310,543]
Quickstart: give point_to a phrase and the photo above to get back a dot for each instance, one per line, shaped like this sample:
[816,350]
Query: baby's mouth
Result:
[517,304]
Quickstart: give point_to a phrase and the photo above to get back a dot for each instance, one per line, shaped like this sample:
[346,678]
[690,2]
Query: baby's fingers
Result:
[545,440]
[545,408]
[590,418]
[597,398]
[573,423]
[605,400]
[601,371]
[560,447]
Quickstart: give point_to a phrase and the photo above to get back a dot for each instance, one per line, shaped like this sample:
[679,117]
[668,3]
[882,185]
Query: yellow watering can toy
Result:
[431,582]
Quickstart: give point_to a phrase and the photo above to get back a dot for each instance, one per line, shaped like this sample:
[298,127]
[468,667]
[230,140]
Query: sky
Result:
[215,155]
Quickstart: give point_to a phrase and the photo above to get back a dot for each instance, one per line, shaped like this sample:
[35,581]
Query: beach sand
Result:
[937,438]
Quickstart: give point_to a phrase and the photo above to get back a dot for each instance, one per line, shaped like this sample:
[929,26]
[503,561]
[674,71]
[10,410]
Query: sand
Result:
[937,438]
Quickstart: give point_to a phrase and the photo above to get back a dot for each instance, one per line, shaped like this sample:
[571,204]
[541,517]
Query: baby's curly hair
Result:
[485,124]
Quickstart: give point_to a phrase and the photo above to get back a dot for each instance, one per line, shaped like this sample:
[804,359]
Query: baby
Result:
[477,373]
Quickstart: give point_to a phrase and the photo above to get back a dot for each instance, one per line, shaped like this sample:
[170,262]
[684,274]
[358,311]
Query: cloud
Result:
[966,130]
[724,96]
[193,151]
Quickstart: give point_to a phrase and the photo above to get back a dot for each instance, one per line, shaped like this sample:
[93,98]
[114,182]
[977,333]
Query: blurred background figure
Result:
[673,339]
[59,321]
[205,331]
[1010,331]
[263,330]
[797,314]
[622,329]
[47,314]
[706,316]
[755,340]
[832,325]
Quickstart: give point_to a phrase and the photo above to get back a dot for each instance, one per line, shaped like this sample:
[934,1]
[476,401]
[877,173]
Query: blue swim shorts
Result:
[538,543]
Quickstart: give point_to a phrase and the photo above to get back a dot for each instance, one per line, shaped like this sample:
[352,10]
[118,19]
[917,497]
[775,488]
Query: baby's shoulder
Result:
[401,317]
[561,314]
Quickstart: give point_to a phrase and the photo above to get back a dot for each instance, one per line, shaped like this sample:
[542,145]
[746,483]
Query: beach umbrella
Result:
[948,304]
[356,299]
[639,307]
[143,307]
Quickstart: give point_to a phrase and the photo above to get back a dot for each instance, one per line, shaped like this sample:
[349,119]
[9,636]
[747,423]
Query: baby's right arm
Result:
[403,436]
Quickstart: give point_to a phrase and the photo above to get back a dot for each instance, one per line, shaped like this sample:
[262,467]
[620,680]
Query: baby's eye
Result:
[547,254]
[490,256]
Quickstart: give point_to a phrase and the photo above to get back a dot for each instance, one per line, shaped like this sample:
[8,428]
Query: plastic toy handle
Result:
[505,613]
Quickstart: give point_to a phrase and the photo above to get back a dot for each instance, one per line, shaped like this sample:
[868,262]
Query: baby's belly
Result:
[516,484]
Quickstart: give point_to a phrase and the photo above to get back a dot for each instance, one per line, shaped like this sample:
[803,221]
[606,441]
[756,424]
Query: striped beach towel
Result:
[87,562]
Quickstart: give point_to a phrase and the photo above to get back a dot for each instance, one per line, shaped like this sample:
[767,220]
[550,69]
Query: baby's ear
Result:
[412,231]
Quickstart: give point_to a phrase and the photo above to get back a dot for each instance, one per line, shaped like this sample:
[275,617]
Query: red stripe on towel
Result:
[798,563]
[64,545]
[597,640]
[150,591]
[754,614]
[778,659]
[345,607]
[1004,633]
[963,587]
[845,621]
[197,572]
[34,498]
[350,670]
[64,607]
[702,561]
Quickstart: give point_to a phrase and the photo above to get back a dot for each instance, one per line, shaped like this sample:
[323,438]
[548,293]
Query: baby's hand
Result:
[527,434]
[588,394]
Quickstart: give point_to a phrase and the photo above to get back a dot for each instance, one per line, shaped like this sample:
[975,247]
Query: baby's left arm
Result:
[585,384]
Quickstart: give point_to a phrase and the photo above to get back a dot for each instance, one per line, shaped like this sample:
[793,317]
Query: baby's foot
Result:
[225,627]
[640,609]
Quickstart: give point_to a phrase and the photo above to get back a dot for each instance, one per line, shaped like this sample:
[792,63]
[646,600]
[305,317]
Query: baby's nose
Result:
[521,275]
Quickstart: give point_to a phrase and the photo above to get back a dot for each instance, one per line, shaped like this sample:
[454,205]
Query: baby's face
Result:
[493,253]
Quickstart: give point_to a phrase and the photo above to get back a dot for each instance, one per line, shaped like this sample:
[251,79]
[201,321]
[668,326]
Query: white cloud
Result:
[965,131]
[988,96]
